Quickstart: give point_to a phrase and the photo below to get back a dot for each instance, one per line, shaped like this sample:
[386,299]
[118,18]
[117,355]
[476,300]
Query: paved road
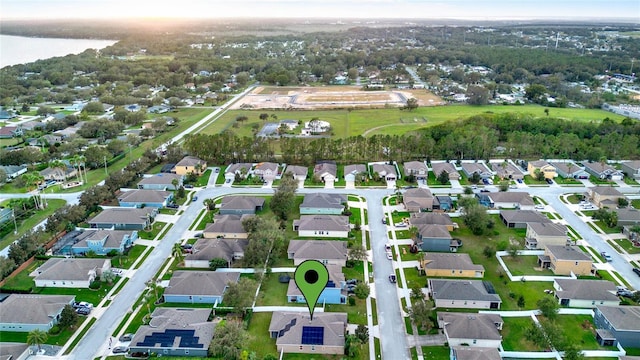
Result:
[415,76]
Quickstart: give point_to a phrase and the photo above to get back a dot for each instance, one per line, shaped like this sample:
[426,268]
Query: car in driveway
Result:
[126,337]
[194,198]
[549,181]
[188,186]
[120,349]
[539,207]
[401,224]
[519,181]
[83,311]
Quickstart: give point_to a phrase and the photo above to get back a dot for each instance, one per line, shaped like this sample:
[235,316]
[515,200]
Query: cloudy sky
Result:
[459,9]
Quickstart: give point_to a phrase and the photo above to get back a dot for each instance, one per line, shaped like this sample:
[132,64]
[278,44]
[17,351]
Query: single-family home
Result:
[473,353]
[566,260]
[617,325]
[542,166]
[468,294]
[158,109]
[469,168]
[326,171]
[351,172]
[631,169]
[124,218]
[14,351]
[418,199]
[386,172]
[58,174]
[328,252]
[267,171]
[161,181]
[518,219]
[13,171]
[438,167]
[628,217]
[541,235]
[32,125]
[227,226]
[26,312]
[604,196]
[145,198]
[585,293]
[296,332]
[569,170]
[323,203]
[424,218]
[450,265]
[133,107]
[470,329]
[101,242]
[241,205]
[603,171]
[175,332]
[298,172]
[416,168]
[8,132]
[198,287]
[506,200]
[507,171]
[70,272]
[190,165]
[7,114]
[205,250]
[333,293]
[239,169]
[335,226]
[433,237]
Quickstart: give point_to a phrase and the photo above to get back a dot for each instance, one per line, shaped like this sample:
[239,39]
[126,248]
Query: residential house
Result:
[603,171]
[469,168]
[326,171]
[436,238]
[544,167]
[467,294]
[631,169]
[239,169]
[333,293]
[328,252]
[145,198]
[32,125]
[8,132]
[508,200]
[7,114]
[566,260]
[470,329]
[416,168]
[507,171]
[518,219]
[290,124]
[101,242]
[26,312]
[351,172]
[14,351]
[604,196]
[424,218]
[161,181]
[241,205]
[13,171]
[474,353]
[190,165]
[618,325]
[585,293]
[569,170]
[70,272]
[628,217]
[199,287]
[541,235]
[323,203]
[267,171]
[124,218]
[205,250]
[298,172]
[418,199]
[175,332]
[386,172]
[296,332]
[133,107]
[158,109]
[335,226]
[227,226]
[50,139]
[59,174]
[438,167]
[450,265]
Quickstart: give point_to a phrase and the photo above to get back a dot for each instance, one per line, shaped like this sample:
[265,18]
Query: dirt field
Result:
[331,97]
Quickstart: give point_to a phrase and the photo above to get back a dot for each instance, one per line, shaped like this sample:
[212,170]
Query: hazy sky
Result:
[461,9]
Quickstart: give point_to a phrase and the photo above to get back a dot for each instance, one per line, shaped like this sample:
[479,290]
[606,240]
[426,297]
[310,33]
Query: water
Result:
[20,50]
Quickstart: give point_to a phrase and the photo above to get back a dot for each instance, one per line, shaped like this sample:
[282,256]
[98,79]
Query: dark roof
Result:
[289,326]
[176,329]
[208,249]
[601,290]
[200,283]
[622,317]
[472,290]
[318,249]
[572,253]
[457,261]
[241,202]
[32,309]
[471,325]
[430,218]
[324,200]
[524,216]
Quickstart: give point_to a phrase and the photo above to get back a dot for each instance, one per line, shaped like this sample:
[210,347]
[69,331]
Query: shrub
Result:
[352,301]
[95,285]
[55,330]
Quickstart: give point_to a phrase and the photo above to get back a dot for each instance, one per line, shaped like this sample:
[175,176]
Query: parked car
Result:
[120,349]
[188,186]
[606,256]
[227,181]
[82,304]
[387,247]
[401,224]
[194,198]
[197,235]
[352,281]
[389,256]
[83,311]
[539,207]
[217,169]
[392,278]
[173,206]
[384,221]
[126,337]
[549,181]
[519,181]
[637,271]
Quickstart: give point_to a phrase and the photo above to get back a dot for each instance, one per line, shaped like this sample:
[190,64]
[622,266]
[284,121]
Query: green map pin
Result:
[311,277]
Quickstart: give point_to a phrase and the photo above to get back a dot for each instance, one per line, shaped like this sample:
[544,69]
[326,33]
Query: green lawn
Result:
[525,265]
[273,293]
[126,261]
[575,198]
[579,330]
[513,334]
[91,296]
[31,222]
[636,203]
[59,339]
[436,352]
[605,228]
[22,281]
[203,179]
[156,227]
[167,211]
[627,246]
[531,181]
[259,340]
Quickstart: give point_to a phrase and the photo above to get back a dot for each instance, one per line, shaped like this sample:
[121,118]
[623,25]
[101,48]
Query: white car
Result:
[387,247]
[539,207]
[401,224]
[389,256]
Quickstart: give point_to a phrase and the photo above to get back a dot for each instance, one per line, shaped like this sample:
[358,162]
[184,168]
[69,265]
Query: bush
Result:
[95,285]
[352,301]
[55,330]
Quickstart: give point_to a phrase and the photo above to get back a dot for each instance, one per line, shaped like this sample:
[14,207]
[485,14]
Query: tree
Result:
[358,253]
[488,252]
[443,177]
[416,293]
[362,333]
[521,302]
[362,290]
[176,251]
[548,307]
[68,317]
[535,92]
[412,104]
[477,95]
[622,202]
[468,190]
[216,263]
[504,185]
[283,199]
[229,339]
[475,178]
[93,107]
[108,276]
[539,175]
[420,314]
[3,176]
[240,295]
[474,215]
[571,352]
[264,116]
[352,346]
[36,337]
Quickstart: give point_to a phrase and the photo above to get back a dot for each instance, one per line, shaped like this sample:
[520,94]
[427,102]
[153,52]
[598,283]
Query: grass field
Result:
[31,222]
[394,121]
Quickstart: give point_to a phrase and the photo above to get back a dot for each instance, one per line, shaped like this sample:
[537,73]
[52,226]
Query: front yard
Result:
[525,265]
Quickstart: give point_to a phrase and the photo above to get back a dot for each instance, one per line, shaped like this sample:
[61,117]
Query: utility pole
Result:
[15,225]
[105,165]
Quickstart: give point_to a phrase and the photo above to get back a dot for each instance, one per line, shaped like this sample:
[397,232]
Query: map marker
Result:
[311,277]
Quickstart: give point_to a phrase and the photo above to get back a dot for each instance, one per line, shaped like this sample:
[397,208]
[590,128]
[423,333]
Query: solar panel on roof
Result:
[167,338]
[312,335]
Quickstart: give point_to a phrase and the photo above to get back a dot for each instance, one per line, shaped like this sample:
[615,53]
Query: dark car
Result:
[173,206]
[194,198]
[126,337]
[188,186]
[83,311]
[549,181]
[392,279]
[637,271]
[519,181]
[120,349]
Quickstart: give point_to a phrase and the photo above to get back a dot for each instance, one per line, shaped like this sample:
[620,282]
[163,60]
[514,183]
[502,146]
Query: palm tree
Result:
[177,252]
[421,261]
[413,232]
[57,164]
[175,183]
[81,163]
[36,337]
[32,179]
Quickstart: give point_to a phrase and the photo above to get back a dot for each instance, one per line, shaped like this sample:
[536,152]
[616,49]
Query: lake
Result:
[20,50]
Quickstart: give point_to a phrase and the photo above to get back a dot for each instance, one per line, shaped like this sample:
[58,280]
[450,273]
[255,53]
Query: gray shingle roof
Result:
[568,253]
[470,168]
[335,275]
[160,179]
[241,202]
[548,229]
[32,309]
[601,290]
[324,200]
[355,169]
[322,223]
[326,168]
[515,197]
[434,231]
[209,283]
[524,216]
[415,166]
[628,214]
[437,168]
[70,269]
[207,249]
[476,353]
[190,161]
[458,261]
[430,218]
[114,237]
[471,326]
[622,317]
[606,190]
[264,166]
[230,224]
[333,323]
[123,216]
[233,168]
[384,169]
[142,196]
[297,170]
[318,249]
[472,290]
